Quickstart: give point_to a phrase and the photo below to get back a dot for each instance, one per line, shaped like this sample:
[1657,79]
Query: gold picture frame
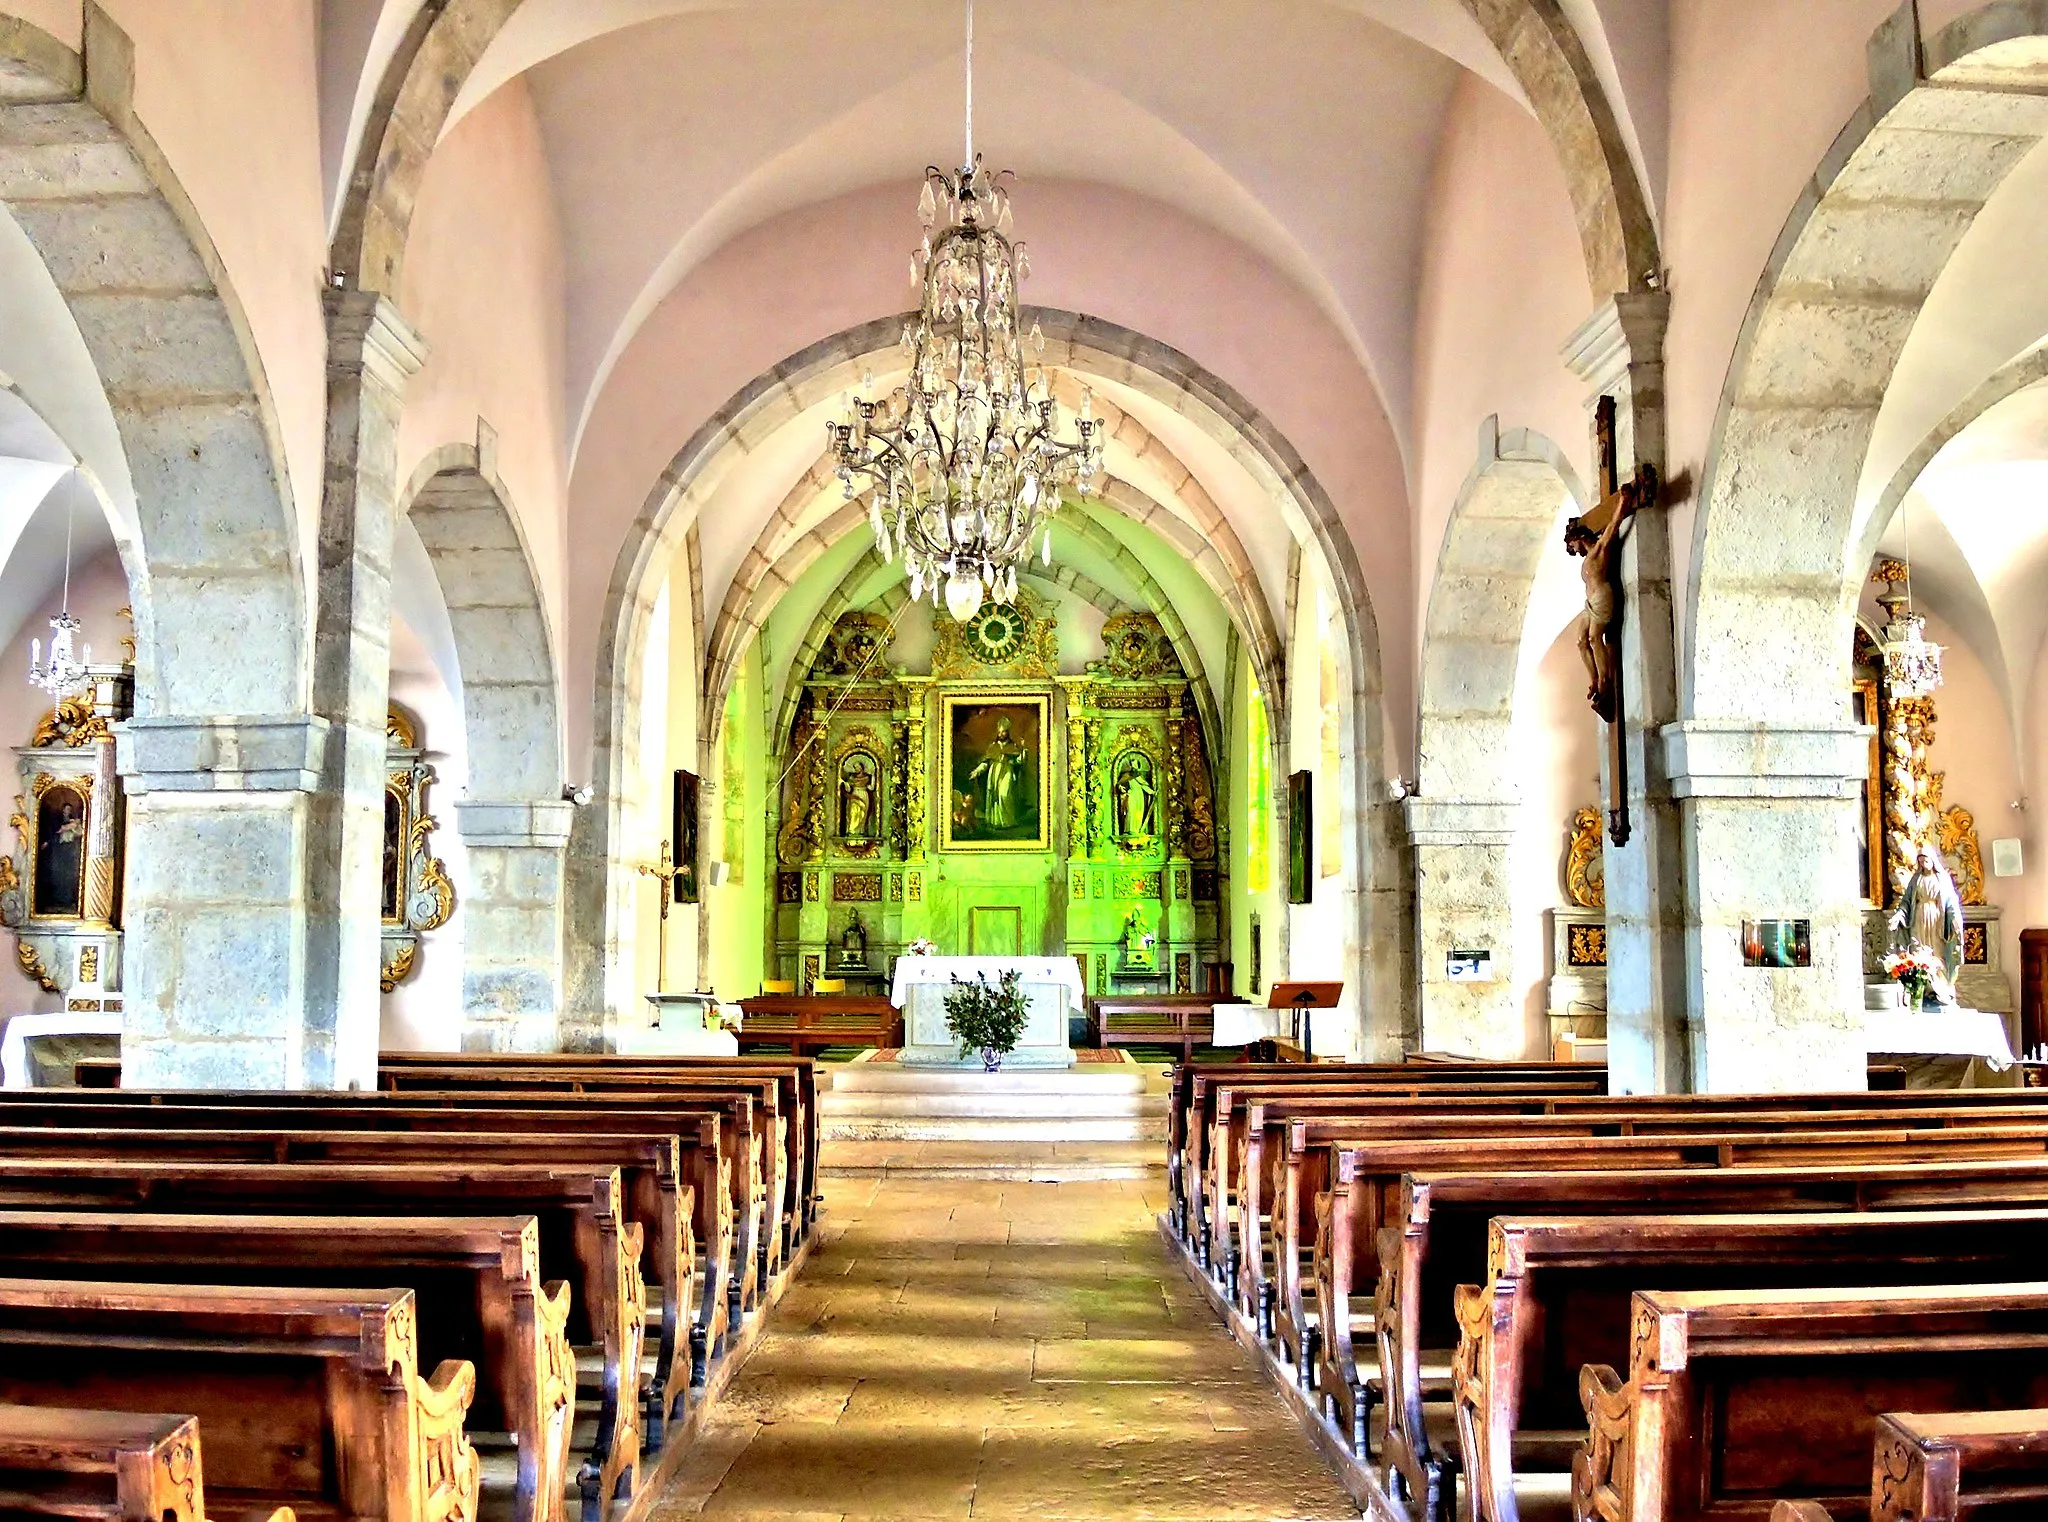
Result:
[997,767]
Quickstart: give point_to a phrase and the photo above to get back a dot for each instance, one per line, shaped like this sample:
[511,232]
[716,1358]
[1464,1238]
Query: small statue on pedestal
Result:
[1929,921]
[853,945]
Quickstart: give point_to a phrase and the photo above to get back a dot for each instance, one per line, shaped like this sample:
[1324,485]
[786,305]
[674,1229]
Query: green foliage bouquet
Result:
[986,1017]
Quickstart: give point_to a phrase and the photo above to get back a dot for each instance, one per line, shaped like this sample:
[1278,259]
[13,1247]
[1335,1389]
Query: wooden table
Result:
[1183,1020]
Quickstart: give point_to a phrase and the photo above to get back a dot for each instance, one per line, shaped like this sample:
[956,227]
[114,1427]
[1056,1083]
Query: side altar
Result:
[1051,988]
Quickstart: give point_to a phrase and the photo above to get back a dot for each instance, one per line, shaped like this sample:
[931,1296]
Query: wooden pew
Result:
[1559,1298]
[584,1239]
[1183,1020]
[1737,1399]
[1943,1468]
[476,1284]
[1286,1145]
[100,1466]
[1444,1230]
[819,1021]
[307,1399]
[797,1078]
[677,1179]
[1366,1187]
[1190,1111]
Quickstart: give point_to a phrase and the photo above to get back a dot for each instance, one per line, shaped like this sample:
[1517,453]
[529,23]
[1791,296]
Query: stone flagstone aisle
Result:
[961,1348]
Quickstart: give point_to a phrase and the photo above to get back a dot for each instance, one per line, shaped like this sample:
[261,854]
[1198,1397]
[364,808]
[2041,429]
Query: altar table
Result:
[1051,987]
[15,1067]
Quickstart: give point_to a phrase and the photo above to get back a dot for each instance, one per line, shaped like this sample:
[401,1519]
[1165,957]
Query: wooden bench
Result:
[1737,1399]
[308,1399]
[584,1239]
[1366,1187]
[1183,1020]
[1943,1468]
[1559,1298]
[816,1021]
[677,1182]
[102,1466]
[476,1283]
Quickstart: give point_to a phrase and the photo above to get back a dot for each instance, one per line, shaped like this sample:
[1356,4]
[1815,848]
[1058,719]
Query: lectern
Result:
[1302,998]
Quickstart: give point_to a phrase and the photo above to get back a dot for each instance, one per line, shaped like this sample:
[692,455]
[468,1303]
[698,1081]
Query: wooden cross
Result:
[1596,537]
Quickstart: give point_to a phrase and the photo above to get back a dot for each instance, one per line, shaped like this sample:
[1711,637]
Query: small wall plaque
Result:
[1469,966]
[2008,859]
[1777,943]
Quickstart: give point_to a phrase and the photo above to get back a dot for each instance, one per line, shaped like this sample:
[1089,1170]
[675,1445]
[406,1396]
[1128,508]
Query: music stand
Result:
[1301,998]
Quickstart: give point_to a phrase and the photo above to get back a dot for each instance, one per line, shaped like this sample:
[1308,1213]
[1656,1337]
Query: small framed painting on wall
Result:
[1301,837]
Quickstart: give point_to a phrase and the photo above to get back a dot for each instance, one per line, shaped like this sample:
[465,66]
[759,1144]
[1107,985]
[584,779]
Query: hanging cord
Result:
[969,160]
[67,553]
[888,638]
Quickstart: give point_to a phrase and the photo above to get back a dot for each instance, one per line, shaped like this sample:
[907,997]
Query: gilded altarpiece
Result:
[60,889]
[995,804]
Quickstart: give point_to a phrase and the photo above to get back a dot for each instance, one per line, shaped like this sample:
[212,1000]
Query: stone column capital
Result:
[515,822]
[262,754]
[1624,332]
[1449,822]
[367,332]
[1729,759]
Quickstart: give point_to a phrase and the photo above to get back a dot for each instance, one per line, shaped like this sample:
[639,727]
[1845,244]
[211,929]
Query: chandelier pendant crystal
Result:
[1912,662]
[963,464]
[65,675]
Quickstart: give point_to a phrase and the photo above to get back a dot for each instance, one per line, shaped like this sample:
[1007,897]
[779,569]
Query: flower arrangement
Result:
[986,1017]
[921,948]
[1920,973]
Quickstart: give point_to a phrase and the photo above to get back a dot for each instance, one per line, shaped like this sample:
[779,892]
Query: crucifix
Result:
[1596,536]
[663,870]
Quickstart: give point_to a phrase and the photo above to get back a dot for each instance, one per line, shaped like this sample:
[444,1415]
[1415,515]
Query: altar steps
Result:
[1095,1103]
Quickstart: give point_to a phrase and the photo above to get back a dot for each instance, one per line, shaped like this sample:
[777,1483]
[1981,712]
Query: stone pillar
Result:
[512,924]
[1770,812]
[1461,902]
[1619,352]
[371,353]
[217,950]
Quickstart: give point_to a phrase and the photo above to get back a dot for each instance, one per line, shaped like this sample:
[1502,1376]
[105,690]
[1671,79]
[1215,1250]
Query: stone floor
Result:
[963,1348]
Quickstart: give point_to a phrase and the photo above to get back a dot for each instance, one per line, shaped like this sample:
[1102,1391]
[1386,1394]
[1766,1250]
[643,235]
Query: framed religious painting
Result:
[683,831]
[1301,837]
[997,781]
[1870,811]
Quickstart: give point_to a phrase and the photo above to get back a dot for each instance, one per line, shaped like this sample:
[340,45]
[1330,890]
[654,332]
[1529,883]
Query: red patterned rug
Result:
[1082,1054]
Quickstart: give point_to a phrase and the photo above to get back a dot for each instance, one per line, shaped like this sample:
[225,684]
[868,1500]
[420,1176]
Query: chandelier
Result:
[65,675]
[1912,662]
[963,463]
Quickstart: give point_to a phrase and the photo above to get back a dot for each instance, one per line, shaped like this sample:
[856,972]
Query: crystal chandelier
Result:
[963,464]
[64,675]
[1912,662]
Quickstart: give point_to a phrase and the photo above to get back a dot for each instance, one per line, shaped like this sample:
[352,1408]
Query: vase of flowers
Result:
[986,1017]
[921,948]
[1921,974]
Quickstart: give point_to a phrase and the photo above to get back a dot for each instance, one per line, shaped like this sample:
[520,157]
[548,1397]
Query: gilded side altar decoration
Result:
[415,895]
[1585,863]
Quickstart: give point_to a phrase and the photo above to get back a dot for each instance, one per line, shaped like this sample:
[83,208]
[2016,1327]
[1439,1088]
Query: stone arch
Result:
[1774,585]
[503,640]
[413,101]
[171,347]
[1616,232]
[830,366]
[1462,821]
[513,820]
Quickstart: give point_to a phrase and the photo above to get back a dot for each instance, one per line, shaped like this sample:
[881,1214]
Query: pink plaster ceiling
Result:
[1305,129]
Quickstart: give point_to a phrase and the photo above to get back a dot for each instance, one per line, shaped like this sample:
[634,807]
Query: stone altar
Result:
[1052,986]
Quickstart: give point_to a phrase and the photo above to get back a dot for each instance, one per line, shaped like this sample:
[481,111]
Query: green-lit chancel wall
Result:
[993,802]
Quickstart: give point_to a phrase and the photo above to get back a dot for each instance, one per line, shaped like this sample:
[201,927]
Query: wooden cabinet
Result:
[2033,988]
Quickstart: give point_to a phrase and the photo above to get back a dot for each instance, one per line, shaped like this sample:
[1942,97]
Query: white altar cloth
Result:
[1242,1024]
[1051,987]
[1942,1033]
[14,1072]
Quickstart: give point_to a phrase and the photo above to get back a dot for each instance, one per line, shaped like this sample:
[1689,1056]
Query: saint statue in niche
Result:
[60,853]
[1135,793]
[1930,918]
[997,780]
[853,944]
[857,798]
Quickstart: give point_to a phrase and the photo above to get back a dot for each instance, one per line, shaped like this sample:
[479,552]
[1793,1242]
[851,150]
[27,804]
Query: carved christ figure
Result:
[1596,624]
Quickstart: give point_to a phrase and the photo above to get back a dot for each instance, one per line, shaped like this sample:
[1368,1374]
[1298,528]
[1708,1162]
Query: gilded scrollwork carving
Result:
[1585,862]
[32,964]
[75,722]
[416,894]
